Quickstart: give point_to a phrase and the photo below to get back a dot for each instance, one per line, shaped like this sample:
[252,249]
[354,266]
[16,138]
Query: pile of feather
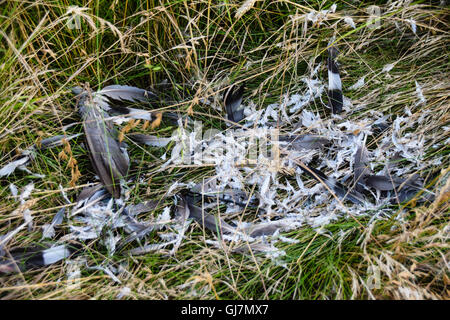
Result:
[324,172]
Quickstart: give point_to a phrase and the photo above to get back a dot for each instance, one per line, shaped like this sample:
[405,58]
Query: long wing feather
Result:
[119,99]
[22,259]
[334,82]
[127,93]
[110,161]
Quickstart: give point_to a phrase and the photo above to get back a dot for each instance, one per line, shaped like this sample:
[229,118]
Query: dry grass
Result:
[199,47]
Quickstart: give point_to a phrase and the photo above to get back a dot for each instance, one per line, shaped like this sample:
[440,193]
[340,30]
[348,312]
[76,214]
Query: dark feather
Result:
[382,183]
[233,98]
[265,228]
[405,189]
[405,194]
[182,212]
[339,189]
[207,220]
[380,127]
[334,82]
[137,229]
[208,189]
[22,259]
[120,100]
[88,192]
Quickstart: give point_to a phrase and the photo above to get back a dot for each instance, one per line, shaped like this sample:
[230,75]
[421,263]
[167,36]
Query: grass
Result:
[198,48]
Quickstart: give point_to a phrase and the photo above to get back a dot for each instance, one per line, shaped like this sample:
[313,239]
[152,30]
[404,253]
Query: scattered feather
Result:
[334,82]
[350,22]
[340,190]
[419,92]
[143,207]
[359,84]
[107,271]
[246,6]
[299,142]
[182,217]
[12,166]
[361,169]
[149,248]
[413,25]
[13,189]
[33,257]
[209,221]
[109,159]
[232,99]
[149,140]
[49,229]
[388,67]
[124,292]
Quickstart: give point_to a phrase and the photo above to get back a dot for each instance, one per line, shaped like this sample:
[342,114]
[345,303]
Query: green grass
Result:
[199,47]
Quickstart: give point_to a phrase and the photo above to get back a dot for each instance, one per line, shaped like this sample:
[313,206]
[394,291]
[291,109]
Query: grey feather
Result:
[56,141]
[209,188]
[88,192]
[127,93]
[49,229]
[209,221]
[382,183]
[305,141]
[265,228]
[405,189]
[110,161]
[13,165]
[143,207]
[339,189]
[149,140]
[119,99]
[360,167]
